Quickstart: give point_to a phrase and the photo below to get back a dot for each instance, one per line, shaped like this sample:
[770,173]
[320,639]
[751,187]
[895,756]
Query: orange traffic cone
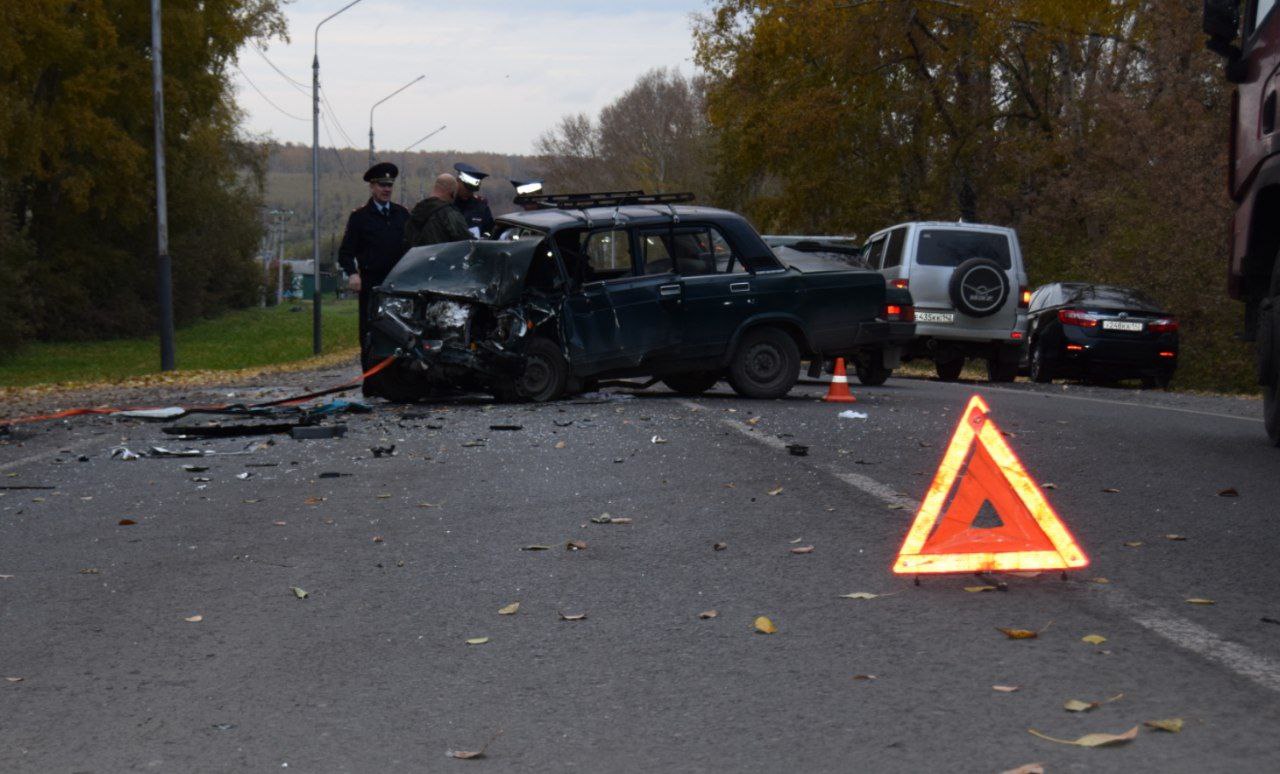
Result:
[839,391]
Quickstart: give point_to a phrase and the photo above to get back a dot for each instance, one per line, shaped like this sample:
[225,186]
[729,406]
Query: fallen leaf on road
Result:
[980,589]
[194,619]
[707,615]
[89,571]
[536,548]
[1175,537]
[280,523]
[127,522]
[576,545]
[863,595]
[765,626]
[510,609]
[1230,492]
[899,508]
[573,616]
[802,550]
[1092,740]
[1199,601]
[1027,768]
[719,546]
[865,677]
[378,539]
[477,640]
[1049,486]
[313,501]
[560,444]
[775,492]
[428,505]
[384,496]
[467,755]
[1093,639]
[1006,688]
[1018,634]
[1111,490]
[1099,580]
[753,421]
[299,593]
[1171,725]
[1133,543]
[1075,705]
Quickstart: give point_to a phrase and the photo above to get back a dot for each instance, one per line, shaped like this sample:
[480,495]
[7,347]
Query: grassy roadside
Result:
[249,339]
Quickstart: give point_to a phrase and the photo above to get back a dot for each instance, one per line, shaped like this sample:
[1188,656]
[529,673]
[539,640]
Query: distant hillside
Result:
[342,190]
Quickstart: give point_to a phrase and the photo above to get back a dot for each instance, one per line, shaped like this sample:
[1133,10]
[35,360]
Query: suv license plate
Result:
[945,318]
[1121,325]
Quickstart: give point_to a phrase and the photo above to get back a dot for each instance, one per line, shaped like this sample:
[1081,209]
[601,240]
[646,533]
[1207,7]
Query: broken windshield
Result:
[488,272]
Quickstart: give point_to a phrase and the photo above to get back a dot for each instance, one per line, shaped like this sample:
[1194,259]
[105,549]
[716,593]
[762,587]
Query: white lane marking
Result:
[1198,412]
[72,449]
[1179,631]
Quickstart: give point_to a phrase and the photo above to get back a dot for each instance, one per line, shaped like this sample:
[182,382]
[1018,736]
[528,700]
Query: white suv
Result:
[970,291]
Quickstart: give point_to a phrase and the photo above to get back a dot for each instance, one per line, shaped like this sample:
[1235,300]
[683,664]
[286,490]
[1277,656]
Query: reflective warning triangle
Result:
[943,539]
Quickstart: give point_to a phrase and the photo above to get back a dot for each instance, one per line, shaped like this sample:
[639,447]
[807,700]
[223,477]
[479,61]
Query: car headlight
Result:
[394,305]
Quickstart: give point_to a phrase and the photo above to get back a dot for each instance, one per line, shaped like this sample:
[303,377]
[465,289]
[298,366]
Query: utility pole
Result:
[316,342]
[379,102]
[164,262]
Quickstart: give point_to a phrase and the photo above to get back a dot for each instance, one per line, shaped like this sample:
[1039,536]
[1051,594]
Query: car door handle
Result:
[669,291]
[740,287]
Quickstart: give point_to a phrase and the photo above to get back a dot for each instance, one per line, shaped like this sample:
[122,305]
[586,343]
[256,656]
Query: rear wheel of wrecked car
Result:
[979,287]
[872,373]
[397,384]
[949,370]
[765,365]
[693,383]
[546,372]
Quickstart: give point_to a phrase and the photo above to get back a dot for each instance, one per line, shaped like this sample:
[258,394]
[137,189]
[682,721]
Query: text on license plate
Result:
[936,317]
[1121,325]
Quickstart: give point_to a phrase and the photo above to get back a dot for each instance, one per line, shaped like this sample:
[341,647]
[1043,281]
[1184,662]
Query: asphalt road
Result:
[405,558]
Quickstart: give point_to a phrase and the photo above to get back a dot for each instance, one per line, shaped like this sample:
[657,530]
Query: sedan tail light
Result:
[899,313]
[1163,325]
[1078,317]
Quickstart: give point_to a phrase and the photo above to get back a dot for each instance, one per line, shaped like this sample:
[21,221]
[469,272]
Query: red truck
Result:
[1247,35]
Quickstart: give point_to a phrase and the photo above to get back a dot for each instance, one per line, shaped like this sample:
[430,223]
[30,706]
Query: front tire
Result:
[693,383]
[872,373]
[766,364]
[949,370]
[397,384]
[1041,372]
[546,374]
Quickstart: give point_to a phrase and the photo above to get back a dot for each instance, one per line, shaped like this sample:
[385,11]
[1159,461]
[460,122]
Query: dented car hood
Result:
[486,272]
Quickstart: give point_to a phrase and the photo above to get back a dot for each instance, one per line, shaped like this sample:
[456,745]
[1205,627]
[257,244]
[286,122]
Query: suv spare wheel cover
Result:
[979,287]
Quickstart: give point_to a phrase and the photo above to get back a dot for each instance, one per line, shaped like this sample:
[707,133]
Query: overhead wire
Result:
[333,145]
[333,114]
[262,94]
[299,85]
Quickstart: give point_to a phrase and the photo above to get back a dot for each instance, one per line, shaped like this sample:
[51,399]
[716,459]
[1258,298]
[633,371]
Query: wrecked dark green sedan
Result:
[579,291]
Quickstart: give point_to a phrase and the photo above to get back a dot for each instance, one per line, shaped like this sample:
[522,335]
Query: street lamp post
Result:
[379,102]
[164,267]
[316,344]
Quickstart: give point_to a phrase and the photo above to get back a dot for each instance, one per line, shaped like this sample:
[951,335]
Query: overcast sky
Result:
[498,75]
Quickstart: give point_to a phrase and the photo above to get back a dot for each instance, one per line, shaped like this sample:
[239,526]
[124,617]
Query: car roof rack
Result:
[580,201]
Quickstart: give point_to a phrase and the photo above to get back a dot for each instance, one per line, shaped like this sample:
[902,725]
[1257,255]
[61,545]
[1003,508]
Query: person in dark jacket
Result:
[371,245]
[435,220]
[474,208]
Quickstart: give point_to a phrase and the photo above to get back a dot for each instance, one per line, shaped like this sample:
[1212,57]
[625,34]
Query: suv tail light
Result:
[1163,325]
[900,283]
[899,312]
[1078,317]
[1024,298]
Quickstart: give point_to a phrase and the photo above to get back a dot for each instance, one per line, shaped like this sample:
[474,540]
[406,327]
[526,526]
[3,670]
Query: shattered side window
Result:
[608,255]
[657,258]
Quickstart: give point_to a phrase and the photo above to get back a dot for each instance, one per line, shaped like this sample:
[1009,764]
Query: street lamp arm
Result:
[316,44]
[392,94]
[424,139]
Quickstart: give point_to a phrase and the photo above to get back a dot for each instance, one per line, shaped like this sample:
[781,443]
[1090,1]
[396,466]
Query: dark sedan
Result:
[1101,333]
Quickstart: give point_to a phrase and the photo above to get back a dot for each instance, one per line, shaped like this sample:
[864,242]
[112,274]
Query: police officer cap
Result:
[384,172]
[527,187]
[469,175]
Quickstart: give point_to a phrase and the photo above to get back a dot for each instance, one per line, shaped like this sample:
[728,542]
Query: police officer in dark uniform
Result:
[527,188]
[371,245]
[470,203]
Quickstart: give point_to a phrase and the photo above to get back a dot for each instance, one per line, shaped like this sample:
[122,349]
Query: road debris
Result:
[317,432]
[576,545]
[1229,492]
[851,415]
[383,451]
[506,428]
[477,640]
[573,616]
[707,615]
[798,450]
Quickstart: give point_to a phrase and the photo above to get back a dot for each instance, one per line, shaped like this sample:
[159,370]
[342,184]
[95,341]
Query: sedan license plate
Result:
[1121,325]
[946,318]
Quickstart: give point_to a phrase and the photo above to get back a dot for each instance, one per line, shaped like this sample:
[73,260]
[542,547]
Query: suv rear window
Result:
[944,247]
